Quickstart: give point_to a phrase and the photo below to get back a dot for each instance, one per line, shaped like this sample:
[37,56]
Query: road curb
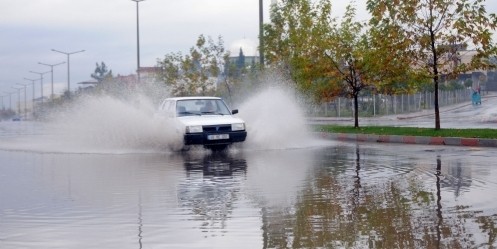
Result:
[452,141]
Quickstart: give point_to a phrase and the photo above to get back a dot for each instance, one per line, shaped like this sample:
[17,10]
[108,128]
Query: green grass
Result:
[410,131]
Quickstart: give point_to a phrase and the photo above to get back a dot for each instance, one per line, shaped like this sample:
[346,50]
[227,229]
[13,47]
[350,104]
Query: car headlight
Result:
[194,129]
[238,127]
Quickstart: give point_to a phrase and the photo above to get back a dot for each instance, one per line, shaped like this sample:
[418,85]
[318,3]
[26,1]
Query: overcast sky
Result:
[106,30]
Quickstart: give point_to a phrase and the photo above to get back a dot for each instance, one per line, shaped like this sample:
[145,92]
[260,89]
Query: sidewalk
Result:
[454,141]
[463,115]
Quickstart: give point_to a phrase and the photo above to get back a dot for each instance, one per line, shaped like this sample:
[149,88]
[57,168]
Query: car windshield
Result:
[188,107]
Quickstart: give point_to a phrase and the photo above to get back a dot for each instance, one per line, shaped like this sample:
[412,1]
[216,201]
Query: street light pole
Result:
[25,103]
[137,39]
[41,82]
[261,35]
[68,68]
[51,71]
[18,100]
[10,99]
[33,100]
[33,83]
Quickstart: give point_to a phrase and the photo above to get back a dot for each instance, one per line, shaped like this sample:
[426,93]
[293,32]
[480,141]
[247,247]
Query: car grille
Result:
[216,128]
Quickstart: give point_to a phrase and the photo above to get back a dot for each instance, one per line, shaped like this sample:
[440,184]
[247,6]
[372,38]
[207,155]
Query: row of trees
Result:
[402,48]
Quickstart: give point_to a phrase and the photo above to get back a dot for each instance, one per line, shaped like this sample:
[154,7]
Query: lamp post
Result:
[3,107]
[137,39]
[10,99]
[25,103]
[261,35]
[51,71]
[68,68]
[18,100]
[33,100]
[41,82]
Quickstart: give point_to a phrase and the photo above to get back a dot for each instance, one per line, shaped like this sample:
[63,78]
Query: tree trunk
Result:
[437,111]
[435,76]
[356,112]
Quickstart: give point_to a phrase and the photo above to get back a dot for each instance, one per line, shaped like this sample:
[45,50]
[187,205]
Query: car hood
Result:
[209,120]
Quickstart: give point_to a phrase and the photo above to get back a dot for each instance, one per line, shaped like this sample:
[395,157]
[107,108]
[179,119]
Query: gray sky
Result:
[106,29]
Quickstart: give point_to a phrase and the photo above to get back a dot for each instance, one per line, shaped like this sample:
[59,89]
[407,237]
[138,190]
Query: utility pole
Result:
[138,39]
[33,100]
[10,99]
[261,34]
[18,100]
[41,82]
[25,102]
[68,68]
[51,71]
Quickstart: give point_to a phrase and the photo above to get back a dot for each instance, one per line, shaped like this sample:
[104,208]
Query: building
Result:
[149,74]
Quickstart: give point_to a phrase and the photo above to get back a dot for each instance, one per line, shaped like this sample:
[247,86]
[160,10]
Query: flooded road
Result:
[335,195]
[101,176]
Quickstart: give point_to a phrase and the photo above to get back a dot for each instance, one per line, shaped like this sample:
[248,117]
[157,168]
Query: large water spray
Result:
[105,124]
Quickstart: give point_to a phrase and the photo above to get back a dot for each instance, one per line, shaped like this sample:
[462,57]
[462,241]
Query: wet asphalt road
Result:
[329,195]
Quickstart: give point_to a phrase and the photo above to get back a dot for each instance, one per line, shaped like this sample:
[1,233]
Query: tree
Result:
[237,69]
[347,50]
[101,73]
[240,63]
[328,58]
[434,31]
[197,72]
[390,60]
[294,44]
[361,60]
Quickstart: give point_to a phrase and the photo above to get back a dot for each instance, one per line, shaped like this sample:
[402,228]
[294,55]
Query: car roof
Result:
[193,97]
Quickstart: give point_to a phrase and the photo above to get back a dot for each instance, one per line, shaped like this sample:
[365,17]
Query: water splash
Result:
[97,124]
[108,123]
[105,124]
[276,120]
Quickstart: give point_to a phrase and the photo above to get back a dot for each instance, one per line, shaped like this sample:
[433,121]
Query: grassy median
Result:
[410,131]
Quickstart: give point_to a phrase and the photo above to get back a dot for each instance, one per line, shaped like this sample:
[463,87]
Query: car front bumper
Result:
[203,138]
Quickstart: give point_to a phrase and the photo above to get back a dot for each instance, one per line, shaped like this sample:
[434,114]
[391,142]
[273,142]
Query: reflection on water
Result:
[215,164]
[211,190]
[341,196]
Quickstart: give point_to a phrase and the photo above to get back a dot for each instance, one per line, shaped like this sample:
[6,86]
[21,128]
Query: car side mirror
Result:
[234,111]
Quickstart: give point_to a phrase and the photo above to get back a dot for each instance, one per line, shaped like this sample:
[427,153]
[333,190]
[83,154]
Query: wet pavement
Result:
[120,188]
[331,195]
[464,115]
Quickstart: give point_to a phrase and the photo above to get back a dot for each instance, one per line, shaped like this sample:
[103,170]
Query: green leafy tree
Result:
[435,30]
[101,73]
[240,63]
[390,68]
[197,72]
[361,61]
[236,69]
[451,85]
[294,40]
[347,50]
[327,58]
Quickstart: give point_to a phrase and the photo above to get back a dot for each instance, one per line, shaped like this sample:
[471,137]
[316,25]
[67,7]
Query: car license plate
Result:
[218,136]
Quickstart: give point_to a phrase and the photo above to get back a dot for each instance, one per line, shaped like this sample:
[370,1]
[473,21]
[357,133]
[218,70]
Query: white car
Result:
[203,121]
